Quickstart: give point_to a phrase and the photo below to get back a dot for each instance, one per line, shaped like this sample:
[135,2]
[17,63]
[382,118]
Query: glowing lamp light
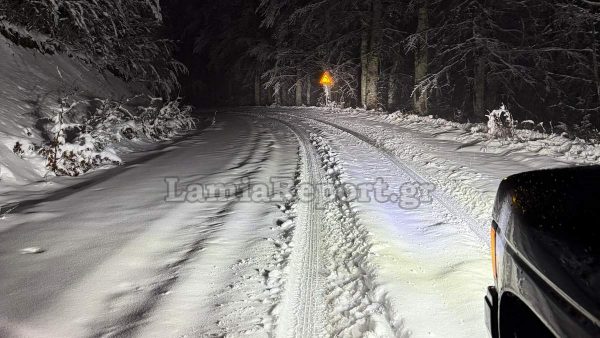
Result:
[326,79]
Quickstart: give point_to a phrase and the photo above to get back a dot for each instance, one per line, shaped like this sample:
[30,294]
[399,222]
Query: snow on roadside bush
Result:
[527,135]
[500,123]
[530,137]
[80,133]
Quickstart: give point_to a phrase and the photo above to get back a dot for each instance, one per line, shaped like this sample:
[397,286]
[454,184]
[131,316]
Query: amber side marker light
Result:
[493,249]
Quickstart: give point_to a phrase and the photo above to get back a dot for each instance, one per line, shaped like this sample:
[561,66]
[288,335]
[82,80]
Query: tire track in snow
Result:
[128,311]
[238,308]
[448,203]
[305,292]
[354,303]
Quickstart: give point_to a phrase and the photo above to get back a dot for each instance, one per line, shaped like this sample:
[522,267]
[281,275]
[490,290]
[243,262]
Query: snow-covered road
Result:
[324,233]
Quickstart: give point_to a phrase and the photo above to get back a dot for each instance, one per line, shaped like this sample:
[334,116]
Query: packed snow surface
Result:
[272,222]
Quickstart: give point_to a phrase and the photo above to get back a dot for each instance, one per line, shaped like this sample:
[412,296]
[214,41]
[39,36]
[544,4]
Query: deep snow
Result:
[32,83]
[115,257]
[45,96]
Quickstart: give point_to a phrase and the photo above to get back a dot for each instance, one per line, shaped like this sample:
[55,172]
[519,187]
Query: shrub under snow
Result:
[500,123]
[81,132]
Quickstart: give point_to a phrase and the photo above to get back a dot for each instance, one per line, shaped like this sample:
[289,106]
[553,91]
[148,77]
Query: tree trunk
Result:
[277,94]
[285,95]
[269,96]
[376,35]
[298,90]
[392,87]
[257,89]
[230,96]
[364,62]
[421,59]
[479,89]
[595,61]
[308,89]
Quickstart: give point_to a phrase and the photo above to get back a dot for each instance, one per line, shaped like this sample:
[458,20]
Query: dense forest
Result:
[456,59]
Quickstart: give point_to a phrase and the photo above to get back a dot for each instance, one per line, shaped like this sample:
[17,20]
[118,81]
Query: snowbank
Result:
[56,111]
[31,84]
[560,147]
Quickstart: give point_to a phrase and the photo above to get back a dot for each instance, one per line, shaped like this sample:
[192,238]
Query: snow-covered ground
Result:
[34,88]
[31,83]
[308,244]
[461,159]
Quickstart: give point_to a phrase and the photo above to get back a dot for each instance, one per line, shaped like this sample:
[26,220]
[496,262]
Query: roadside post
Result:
[327,81]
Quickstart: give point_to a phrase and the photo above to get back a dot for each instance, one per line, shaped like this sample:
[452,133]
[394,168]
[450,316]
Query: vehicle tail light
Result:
[493,249]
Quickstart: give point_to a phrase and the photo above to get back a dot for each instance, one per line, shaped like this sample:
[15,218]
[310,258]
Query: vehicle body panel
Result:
[547,251]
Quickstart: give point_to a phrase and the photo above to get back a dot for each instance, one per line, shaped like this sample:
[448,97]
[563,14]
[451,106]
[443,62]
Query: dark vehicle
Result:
[545,239]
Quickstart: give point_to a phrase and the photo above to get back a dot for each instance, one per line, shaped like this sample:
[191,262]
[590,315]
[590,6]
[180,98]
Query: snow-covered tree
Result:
[530,54]
[123,36]
[451,58]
